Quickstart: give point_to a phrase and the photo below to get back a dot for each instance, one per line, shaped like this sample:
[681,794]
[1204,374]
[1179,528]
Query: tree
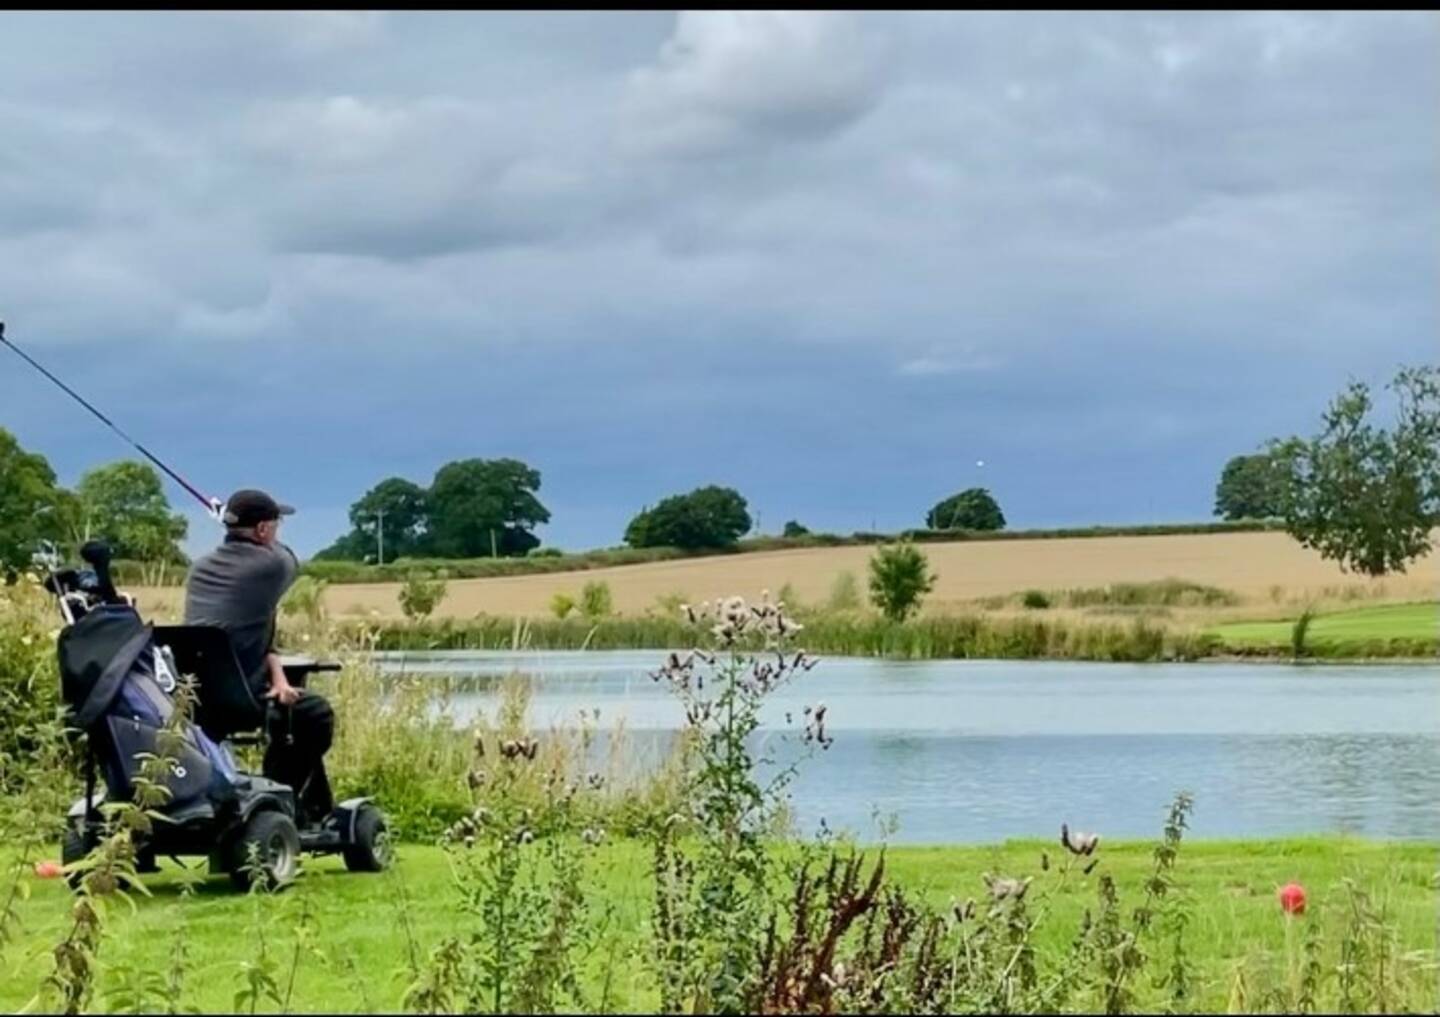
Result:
[420,596]
[971,509]
[706,517]
[484,507]
[124,504]
[1251,487]
[398,510]
[900,577]
[794,529]
[1362,495]
[33,508]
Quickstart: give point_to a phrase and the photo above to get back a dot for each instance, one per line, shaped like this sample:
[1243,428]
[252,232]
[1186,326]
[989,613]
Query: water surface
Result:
[970,751]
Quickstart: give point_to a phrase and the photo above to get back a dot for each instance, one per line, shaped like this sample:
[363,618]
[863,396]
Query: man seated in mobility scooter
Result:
[117,677]
[238,587]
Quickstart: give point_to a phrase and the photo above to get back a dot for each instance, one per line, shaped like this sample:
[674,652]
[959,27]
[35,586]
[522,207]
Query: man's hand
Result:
[280,688]
[283,692]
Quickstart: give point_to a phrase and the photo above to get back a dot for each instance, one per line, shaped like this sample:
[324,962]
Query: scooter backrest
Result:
[227,701]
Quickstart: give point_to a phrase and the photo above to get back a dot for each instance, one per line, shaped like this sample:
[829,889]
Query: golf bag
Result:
[115,683]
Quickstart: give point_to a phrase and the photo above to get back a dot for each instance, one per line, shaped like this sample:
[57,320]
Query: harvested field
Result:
[1269,571]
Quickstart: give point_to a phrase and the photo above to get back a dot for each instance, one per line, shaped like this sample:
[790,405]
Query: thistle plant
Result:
[712,871]
[519,865]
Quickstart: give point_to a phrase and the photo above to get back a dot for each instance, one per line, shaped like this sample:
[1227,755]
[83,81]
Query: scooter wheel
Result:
[74,847]
[371,851]
[77,845]
[274,842]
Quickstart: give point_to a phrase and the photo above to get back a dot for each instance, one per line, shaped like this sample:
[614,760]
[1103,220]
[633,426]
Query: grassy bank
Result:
[357,957]
[1404,632]
[849,635]
[1386,630]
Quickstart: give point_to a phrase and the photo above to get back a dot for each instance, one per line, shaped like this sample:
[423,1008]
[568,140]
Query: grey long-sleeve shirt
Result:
[238,586]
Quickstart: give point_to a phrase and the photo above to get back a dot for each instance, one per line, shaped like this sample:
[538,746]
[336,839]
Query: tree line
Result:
[1359,493]
[123,503]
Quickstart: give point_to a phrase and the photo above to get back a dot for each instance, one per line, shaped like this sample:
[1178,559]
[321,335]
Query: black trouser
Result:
[299,737]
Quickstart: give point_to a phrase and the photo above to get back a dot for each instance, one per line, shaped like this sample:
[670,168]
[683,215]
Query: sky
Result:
[833,260]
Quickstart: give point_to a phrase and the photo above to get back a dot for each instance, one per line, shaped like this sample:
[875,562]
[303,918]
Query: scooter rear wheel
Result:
[371,851]
[274,842]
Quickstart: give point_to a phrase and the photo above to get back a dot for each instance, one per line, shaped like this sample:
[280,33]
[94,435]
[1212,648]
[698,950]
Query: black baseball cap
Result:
[248,507]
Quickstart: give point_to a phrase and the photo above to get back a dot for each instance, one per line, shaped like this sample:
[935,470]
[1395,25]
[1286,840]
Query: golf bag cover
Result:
[108,681]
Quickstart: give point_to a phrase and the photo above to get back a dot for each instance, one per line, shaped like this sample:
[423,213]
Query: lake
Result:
[976,751]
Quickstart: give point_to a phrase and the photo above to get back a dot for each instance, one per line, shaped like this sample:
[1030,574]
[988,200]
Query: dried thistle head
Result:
[1078,843]
[1006,888]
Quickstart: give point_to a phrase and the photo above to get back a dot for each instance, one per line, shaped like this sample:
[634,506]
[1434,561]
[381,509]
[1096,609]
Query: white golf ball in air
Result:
[979,462]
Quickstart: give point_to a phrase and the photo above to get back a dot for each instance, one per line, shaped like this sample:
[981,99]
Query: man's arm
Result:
[282,574]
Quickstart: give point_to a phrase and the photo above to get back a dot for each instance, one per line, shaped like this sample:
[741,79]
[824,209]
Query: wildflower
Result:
[1005,888]
[1078,843]
[1292,899]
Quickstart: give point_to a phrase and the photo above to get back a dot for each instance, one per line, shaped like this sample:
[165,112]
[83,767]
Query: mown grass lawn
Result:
[365,950]
[1361,625]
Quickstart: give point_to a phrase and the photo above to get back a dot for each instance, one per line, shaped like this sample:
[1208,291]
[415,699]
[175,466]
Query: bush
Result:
[900,577]
[1299,631]
[595,600]
[1035,600]
[844,593]
[305,599]
[1161,592]
[668,605]
[419,597]
[545,552]
[561,605]
[794,529]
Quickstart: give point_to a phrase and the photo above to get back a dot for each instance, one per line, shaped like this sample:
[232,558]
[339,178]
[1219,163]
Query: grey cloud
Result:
[951,202]
[726,79]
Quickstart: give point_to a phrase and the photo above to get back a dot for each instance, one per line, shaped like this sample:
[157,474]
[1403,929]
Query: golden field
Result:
[1269,571]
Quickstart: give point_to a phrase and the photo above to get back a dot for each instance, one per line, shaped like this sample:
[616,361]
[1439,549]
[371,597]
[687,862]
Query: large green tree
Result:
[398,510]
[971,509]
[1251,487]
[707,517]
[480,507]
[33,508]
[124,504]
[1363,495]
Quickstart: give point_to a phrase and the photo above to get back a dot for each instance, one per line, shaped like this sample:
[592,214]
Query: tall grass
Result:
[1169,592]
[835,633]
[398,739]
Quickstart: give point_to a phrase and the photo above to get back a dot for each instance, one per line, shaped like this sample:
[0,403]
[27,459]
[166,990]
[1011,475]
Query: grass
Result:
[849,634]
[555,560]
[363,949]
[1359,631]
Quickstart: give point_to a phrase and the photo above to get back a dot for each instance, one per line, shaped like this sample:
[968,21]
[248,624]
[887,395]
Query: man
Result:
[238,587]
